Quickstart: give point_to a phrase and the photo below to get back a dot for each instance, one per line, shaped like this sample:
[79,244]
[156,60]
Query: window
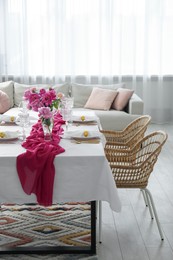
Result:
[86,37]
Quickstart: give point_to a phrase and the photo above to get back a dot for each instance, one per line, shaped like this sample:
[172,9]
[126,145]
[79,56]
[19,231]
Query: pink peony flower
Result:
[45,112]
[60,95]
[42,91]
[34,101]
[47,99]
[33,89]
[27,94]
[52,93]
[33,97]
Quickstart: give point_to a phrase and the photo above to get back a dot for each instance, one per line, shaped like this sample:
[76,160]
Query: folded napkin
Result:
[7,119]
[82,134]
[77,118]
[35,167]
[8,135]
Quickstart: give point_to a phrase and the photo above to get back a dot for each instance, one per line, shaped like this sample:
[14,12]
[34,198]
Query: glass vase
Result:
[47,126]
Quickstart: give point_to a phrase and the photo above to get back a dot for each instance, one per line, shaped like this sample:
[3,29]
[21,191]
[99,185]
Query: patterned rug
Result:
[33,225]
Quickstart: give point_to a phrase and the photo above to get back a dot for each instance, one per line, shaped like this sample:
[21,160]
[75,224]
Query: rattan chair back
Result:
[131,169]
[130,135]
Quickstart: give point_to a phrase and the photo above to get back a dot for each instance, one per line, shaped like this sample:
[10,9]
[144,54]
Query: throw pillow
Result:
[122,98]
[81,92]
[101,99]
[4,102]
[7,87]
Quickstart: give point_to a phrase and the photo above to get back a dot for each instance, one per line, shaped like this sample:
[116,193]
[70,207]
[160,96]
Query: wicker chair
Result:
[132,169]
[128,137]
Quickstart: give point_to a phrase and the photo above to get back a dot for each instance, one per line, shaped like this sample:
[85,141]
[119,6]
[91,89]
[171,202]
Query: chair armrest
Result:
[135,105]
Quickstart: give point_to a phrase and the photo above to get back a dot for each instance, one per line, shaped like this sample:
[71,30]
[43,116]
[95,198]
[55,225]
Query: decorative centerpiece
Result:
[46,102]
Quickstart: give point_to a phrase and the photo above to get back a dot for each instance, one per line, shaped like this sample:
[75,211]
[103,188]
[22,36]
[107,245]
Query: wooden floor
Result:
[131,234]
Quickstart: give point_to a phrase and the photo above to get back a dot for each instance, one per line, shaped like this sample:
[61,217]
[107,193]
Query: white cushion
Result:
[19,90]
[63,88]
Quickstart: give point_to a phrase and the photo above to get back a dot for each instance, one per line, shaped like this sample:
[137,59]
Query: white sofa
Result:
[110,119]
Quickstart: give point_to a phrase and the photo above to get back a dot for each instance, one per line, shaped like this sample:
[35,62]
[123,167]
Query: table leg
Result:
[93,227]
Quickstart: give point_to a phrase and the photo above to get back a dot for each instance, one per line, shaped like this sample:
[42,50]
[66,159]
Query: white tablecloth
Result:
[82,174]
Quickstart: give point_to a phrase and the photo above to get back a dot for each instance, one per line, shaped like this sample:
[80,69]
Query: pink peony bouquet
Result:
[42,98]
[43,101]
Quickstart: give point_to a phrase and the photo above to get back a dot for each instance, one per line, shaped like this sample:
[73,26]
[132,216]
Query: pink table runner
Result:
[35,167]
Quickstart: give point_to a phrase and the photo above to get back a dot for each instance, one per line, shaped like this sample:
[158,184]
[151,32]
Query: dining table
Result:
[82,173]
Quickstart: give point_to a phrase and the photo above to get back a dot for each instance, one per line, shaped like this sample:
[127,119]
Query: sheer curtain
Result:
[92,41]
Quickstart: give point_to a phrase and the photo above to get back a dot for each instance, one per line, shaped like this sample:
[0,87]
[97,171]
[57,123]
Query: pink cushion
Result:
[122,98]
[101,99]
[4,102]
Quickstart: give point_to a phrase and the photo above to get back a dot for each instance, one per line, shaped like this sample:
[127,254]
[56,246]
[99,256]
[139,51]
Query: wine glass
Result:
[66,114]
[70,101]
[23,106]
[66,107]
[23,117]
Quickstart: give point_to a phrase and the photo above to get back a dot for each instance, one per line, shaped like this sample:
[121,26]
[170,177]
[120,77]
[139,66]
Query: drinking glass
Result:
[23,117]
[66,108]
[66,114]
[23,106]
[70,101]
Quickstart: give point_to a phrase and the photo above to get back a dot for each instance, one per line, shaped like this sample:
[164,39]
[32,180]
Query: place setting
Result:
[10,137]
[7,120]
[8,134]
[83,120]
[82,136]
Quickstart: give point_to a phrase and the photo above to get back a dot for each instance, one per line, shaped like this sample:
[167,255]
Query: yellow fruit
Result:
[12,118]
[85,133]
[2,134]
[82,118]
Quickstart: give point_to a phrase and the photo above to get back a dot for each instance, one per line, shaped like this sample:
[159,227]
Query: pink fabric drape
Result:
[35,167]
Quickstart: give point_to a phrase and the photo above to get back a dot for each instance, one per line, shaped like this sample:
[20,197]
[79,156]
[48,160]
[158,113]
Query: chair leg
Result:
[144,196]
[100,221]
[97,207]
[150,198]
[148,204]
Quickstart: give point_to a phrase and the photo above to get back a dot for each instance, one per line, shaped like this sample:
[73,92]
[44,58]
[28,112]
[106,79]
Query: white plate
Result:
[9,136]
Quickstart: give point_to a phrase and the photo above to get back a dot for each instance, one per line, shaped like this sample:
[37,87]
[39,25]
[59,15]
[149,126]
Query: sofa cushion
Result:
[122,98]
[101,99]
[81,92]
[19,90]
[7,87]
[4,102]
[114,120]
[63,88]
